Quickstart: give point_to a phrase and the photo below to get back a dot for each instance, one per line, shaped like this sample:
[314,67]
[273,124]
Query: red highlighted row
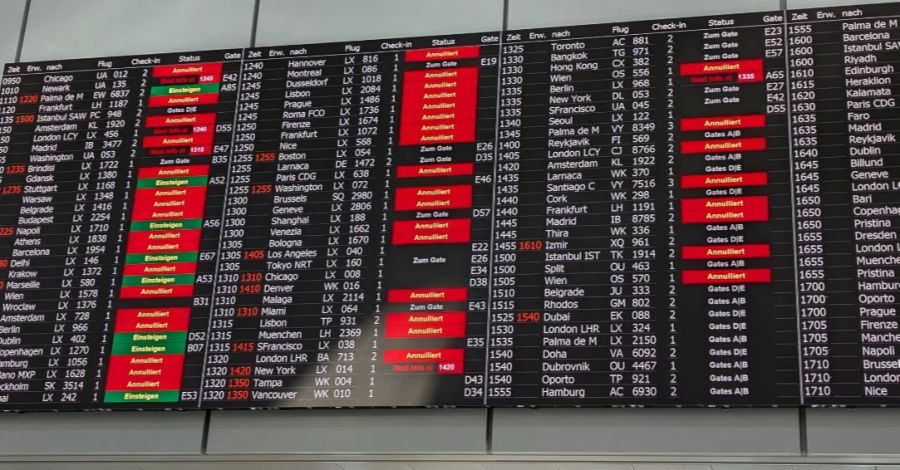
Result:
[434,294]
[149,206]
[709,123]
[156,292]
[425,325]
[204,139]
[438,106]
[423,355]
[131,320]
[163,241]
[144,372]
[208,69]
[448,360]
[725,210]
[157,269]
[724,180]
[206,119]
[748,250]
[723,145]
[182,100]
[434,80]
[422,198]
[726,276]
[442,53]
[433,231]
[744,70]
[435,170]
[173,171]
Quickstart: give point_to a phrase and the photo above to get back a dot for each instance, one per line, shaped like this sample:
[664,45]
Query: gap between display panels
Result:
[22,26]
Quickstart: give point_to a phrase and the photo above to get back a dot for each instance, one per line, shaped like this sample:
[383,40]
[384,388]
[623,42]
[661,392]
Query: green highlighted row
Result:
[146,397]
[163,342]
[191,89]
[146,225]
[163,280]
[144,183]
[145,258]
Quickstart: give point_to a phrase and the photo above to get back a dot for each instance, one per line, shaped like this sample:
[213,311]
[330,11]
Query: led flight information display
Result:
[690,212]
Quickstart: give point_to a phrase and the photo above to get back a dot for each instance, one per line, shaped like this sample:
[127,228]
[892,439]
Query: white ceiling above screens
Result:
[541,13]
[285,22]
[63,29]
[10,22]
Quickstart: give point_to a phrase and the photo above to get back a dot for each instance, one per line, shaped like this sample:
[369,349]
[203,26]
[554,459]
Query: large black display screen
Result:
[693,211]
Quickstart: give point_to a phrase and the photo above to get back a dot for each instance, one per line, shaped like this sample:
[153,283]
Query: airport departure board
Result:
[683,212]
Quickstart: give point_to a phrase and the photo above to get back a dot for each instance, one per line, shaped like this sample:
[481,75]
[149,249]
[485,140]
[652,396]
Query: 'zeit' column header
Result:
[843,13]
